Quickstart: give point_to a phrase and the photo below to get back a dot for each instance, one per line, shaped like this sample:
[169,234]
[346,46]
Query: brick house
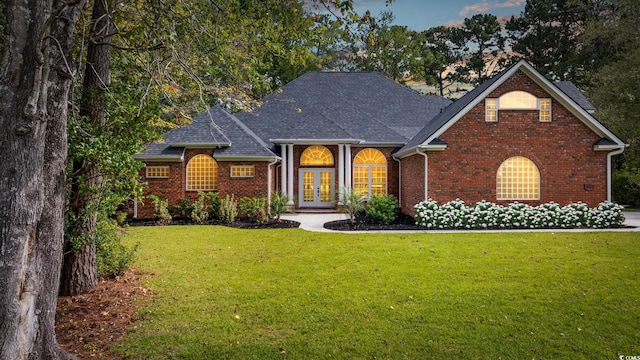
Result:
[516,137]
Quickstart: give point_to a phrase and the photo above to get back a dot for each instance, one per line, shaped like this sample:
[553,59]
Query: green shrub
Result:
[382,209]
[485,215]
[254,209]
[199,210]
[279,205]
[182,210]
[214,201]
[228,209]
[112,257]
[352,202]
[161,209]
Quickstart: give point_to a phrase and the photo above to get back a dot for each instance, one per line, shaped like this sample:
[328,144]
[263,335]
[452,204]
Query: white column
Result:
[347,155]
[283,168]
[340,172]
[290,175]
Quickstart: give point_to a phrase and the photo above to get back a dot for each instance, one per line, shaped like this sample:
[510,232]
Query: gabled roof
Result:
[356,107]
[573,92]
[439,124]
[214,128]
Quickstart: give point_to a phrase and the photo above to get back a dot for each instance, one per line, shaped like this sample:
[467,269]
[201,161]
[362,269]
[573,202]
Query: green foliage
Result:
[200,210]
[254,209]
[228,209]
[485,215]
[382,209]
[279,205]
[181,210]
[352,202]
[161,209]
[113,258]
[626,187]
[213,198]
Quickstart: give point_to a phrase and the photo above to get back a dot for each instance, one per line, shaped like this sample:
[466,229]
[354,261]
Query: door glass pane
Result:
[325,186]
[308,187]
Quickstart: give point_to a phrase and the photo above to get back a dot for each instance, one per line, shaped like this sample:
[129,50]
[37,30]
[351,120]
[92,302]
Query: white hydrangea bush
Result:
[486,215]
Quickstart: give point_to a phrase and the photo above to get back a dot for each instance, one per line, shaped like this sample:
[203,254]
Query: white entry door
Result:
[316,187]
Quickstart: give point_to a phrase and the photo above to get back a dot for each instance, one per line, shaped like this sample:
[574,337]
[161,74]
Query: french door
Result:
[316,187]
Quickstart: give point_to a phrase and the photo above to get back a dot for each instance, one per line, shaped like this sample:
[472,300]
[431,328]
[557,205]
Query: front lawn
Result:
[223,293]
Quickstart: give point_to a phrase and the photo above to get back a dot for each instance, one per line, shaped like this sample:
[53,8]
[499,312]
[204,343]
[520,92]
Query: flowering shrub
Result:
[485,215]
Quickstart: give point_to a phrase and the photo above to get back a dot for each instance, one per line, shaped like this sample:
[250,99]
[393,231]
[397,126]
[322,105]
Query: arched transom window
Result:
[202,173]
[316,155]
[517,100]
[518,178]
[370,173]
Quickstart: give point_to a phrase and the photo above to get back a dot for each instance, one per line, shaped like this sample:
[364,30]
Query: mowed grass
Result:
[222,293]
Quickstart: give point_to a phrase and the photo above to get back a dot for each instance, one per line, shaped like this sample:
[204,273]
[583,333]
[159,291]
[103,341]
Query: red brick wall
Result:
[173,188]
[570,170]
[412,177]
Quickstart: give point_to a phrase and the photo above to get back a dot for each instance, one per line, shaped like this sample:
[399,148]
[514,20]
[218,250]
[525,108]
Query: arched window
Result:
[202,173]
[518,178]
[370,173]
[518,100]
[316,155]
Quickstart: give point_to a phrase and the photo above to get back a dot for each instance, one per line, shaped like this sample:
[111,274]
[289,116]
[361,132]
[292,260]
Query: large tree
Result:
[35,78]
[482,42]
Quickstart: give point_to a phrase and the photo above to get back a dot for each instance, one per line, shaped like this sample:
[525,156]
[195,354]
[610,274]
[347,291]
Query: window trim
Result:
[369,170]
[249,171]
[492,115]
[188,188]
[545,111]
[537,179]
[157,167]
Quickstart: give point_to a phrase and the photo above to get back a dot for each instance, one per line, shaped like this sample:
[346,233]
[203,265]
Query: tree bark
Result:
[34,86]
[79,272]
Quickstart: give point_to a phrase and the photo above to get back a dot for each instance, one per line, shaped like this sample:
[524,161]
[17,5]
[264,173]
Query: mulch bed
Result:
[238,223]
[363,223]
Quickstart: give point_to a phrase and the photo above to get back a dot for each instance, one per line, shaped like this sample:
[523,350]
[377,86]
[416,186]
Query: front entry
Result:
[316,187]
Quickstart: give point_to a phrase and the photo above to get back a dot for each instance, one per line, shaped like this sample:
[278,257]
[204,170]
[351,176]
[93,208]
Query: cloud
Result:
[484,6]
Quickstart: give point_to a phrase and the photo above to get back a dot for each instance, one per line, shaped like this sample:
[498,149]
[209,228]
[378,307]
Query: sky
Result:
[423,14]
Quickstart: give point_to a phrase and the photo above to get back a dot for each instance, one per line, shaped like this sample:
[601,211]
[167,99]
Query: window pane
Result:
[316,155]
[202,173]
[545,109]
[157,171]
[518,178]
[370,156]
[491,109]
[518,100]
[370,172]
[243,171]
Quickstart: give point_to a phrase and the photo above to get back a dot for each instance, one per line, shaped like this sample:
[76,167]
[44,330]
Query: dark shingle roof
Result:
[363,106]
[575,94]
[447,114]
[214,128]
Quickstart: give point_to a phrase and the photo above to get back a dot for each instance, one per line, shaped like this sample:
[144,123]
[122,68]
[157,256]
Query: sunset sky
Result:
[423,14]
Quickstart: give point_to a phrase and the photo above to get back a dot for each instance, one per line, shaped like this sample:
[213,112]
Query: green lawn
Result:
[224,293]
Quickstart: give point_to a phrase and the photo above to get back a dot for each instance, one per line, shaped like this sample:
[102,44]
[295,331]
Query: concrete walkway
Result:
[316,221]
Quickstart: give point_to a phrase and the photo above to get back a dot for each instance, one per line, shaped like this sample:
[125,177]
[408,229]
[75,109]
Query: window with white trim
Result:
[517,100]
[518,178]
[545,110]
[370,173]
[243,171]
[202,173]
[157,172]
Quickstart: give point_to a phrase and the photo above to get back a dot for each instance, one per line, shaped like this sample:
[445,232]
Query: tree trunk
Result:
[79,273]
[34,86]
